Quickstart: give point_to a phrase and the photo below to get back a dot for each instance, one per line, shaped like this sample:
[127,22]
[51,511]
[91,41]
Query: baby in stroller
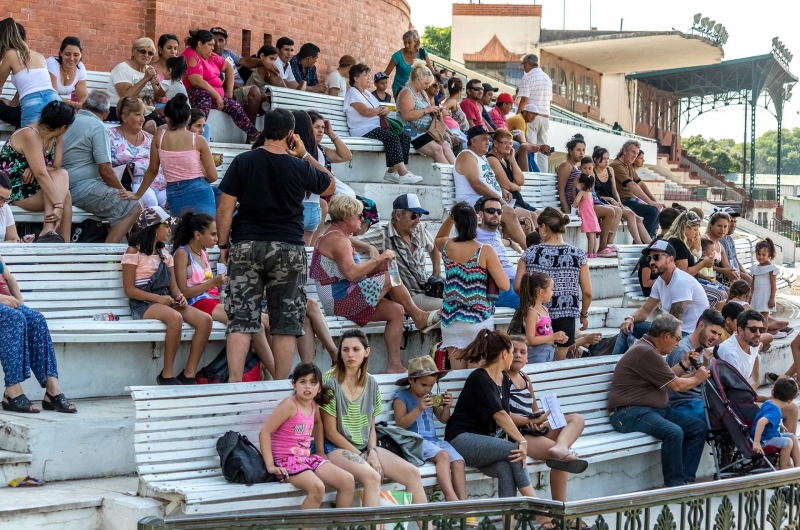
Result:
[765,431]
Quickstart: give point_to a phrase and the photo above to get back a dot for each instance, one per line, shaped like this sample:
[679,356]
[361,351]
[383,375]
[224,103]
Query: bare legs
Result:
[609,222]
[556,444]
[260,342]
[440,153]
[117,232]
[635,226]
[41,203]
[511,225]
[315,325]
[174,319]
[314,482]
[451,476]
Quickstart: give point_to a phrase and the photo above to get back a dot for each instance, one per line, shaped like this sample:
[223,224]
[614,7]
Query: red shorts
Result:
[206,305]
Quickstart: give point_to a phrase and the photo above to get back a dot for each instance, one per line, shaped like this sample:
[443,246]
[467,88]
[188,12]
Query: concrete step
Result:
[95,442]
[13,464]
[99,504]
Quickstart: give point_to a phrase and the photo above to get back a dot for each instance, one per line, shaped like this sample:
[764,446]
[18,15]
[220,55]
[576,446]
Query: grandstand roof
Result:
[728,76]
[618,52]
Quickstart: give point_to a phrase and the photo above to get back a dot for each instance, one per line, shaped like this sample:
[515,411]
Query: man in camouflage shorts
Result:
[267,254]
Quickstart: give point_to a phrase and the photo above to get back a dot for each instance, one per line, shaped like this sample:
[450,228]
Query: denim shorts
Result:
[329,447]
[33,103]
[194,194]
[779,442]
[431,448]
[312,216]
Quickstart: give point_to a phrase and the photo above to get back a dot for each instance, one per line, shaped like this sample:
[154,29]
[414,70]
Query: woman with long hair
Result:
[685,230]
[168,47]
[606,187]
[28,71]
[67,72]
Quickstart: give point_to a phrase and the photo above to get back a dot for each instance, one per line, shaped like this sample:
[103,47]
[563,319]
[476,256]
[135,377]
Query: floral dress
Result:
[15,164]
[123,152]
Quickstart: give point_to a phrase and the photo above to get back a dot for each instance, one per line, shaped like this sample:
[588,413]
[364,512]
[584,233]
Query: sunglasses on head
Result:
[692,217]
[755,329]
[146,52]
[493,211]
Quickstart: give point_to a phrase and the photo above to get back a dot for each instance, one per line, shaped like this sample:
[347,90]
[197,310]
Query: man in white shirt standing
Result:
[536,87]
[741,351]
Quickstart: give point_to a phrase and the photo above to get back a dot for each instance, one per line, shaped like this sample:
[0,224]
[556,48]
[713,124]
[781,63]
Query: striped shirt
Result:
[465,291]
[538,88]
[521,401]
[410,261]
[353,417]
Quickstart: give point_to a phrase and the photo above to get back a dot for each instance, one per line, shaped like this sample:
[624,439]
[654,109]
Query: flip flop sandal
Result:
[771,377]
[570,466]
[434,318]
[21,403]
[59,403]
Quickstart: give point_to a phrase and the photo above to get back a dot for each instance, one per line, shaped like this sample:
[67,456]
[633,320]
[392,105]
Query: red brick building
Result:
[369,30]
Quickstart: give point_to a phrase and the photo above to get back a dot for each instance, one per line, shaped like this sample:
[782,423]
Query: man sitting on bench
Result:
[639,401]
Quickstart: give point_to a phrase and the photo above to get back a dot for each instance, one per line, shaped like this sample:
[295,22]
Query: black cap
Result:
[489,88]
[659,245]
[219,31]
[476,130]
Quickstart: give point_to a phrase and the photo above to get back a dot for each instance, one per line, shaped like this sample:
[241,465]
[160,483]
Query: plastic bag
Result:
[393,498]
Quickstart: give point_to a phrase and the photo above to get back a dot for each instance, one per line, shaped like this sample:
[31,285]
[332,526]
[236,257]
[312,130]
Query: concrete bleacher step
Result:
[96,504]
[13,464]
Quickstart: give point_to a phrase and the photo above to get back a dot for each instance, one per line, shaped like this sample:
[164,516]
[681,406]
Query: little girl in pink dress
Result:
[585,205]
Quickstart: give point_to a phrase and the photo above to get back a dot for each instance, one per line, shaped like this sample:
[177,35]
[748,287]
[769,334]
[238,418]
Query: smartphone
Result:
[535,415]
[437,400]
[290,141]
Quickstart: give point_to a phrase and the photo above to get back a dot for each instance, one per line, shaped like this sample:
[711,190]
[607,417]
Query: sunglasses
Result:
[146,52]
[493,211]
[414,215]
[755,329]
[476,89]
[656,257]
[693,217]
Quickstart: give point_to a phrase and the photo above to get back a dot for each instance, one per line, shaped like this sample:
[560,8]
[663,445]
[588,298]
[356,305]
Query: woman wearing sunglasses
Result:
[136,78]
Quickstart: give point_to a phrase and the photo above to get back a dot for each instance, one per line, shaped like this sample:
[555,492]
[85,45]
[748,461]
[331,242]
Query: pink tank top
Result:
[293,437]
[544,326]
[180,165]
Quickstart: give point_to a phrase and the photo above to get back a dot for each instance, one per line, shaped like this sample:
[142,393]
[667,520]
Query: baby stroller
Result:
[730,404]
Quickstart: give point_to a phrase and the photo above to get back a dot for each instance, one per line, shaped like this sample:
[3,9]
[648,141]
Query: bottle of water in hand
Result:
[394,274]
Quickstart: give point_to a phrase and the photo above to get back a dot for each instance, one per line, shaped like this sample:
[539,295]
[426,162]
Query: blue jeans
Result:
[508,298]
[648,214]
[690,407]
[194,194]
[682,438]
[32,105]
[639,329]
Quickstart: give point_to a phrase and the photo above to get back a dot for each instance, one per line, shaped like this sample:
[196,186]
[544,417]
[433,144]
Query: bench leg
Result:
[624,300]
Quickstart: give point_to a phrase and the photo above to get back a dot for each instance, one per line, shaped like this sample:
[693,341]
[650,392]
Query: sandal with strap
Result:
[21,403]
[58,403]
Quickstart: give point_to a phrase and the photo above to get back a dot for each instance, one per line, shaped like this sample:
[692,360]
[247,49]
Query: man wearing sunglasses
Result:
[472,105]
[489,212]
[678,294]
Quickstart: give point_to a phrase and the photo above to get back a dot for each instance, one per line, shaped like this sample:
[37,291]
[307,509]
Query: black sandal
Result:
[58,403]
[21,403]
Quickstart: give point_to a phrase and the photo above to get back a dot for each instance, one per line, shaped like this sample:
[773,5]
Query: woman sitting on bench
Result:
[25,345]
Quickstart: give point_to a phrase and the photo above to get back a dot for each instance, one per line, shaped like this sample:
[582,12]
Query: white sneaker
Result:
[396,178]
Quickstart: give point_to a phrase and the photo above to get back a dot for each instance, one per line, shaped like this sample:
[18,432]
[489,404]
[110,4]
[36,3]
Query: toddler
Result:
[765,274]
[584,202]
[176,68]
[707,273]
[536,290]
[766,429]
[414,409]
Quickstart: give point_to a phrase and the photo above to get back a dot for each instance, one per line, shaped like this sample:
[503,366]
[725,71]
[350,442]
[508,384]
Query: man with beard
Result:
[706,335]
[489,211]
[741,348]
[678,294]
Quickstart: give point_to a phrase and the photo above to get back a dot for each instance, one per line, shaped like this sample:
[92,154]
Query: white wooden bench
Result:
[628,256]
[177,428]
[539,191]
[24,216]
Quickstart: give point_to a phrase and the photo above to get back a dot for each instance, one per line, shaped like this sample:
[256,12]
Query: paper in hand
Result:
[556,418]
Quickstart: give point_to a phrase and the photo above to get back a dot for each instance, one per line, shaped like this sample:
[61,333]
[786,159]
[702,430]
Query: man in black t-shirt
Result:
[266,241]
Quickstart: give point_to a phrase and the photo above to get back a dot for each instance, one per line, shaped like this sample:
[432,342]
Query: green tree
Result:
[767,152]
[437,41]
[719,154]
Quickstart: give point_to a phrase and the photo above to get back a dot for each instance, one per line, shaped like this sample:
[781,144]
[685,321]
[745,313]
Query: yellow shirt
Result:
[517,123]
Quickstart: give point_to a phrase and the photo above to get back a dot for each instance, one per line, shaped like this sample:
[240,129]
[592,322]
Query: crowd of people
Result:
[150,177]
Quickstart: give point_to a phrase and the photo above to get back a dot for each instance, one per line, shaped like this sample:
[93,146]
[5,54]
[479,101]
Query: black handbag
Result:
[434,287]
[241,461]
[90,231]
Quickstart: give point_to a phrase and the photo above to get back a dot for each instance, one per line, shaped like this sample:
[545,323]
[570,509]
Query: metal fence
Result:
[769,501]
[784,227]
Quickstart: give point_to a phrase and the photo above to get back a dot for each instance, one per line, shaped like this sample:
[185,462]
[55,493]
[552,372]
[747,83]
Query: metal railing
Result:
[784,227]
[768,501]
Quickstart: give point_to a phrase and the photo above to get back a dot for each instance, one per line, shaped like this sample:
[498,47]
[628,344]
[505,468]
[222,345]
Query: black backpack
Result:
[241,461]
[90,231]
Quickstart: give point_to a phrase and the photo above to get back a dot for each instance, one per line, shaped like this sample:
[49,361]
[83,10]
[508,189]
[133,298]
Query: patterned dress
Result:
[356,300]
[123,152]
[563,264]
[465,308]
[15,164]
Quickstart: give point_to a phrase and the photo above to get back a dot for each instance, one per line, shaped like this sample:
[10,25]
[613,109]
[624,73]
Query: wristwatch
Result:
[226,246]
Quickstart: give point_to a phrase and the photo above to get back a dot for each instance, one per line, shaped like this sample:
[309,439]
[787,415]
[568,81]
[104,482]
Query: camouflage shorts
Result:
[278,268]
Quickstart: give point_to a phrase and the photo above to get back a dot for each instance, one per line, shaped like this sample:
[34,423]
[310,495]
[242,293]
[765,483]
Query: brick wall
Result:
[497,10]
[370,30]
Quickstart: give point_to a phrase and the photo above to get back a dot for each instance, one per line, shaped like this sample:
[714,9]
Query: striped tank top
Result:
[465,291]
[521,401]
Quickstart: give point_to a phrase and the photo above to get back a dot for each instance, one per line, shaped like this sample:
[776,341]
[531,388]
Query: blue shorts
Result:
[312,216]
[431,448]
[779,442]
[33,103]
[194,194]
[541,353]
[329,447]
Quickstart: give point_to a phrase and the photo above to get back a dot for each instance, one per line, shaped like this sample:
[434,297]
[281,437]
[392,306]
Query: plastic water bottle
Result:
[631,339]
[394,274]
[106,317]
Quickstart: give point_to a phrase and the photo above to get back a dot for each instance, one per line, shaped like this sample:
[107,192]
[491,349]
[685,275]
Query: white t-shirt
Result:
[122,73]
[6,220]
[493,238]
[173,89]
[360,125]
[732,353]
[285,70]
[54,67]
[682,287]
[464,190]
[335,80]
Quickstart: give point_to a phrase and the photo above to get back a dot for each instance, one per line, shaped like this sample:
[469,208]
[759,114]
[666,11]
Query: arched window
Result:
[579,91]
[553,77]
[571,91]
[587,90]
[562,83]
[651,117]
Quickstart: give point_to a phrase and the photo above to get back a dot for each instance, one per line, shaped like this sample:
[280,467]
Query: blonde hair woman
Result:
[417,113]
[28,71]
[136,78]
[356,289]
[685,230]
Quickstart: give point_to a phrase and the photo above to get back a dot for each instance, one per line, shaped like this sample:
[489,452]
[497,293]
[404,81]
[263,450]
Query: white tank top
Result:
[464,191]
[31,80]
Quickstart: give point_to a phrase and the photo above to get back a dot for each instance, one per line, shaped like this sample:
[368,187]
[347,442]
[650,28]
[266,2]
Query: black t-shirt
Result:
[478,402]
[270,189]
[681,251]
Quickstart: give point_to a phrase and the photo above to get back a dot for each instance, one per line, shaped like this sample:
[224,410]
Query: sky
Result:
[751,26]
